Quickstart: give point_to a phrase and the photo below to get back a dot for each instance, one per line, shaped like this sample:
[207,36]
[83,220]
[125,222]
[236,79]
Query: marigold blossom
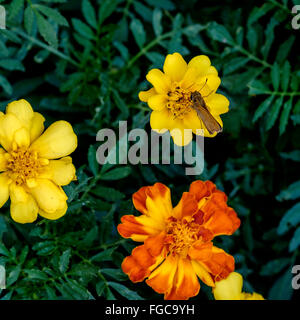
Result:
[170,97]
[31,172]
[231,289]
[178,245]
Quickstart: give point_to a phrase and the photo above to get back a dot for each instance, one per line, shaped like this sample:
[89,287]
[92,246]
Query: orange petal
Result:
[187,206]
[186,284]
[144,258]
[203,189]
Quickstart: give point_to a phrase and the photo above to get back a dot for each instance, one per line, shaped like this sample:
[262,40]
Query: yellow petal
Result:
[3,160]
[22,110]
[229,288]
[4,189]
[181,136]
[160,81]
[23,207]
[207,85]
[62,171]
[158,101]
[217,104]
[37,126]
[201,64]
[175,66]
[160,120]
[22,137]
[54,215]
[59,140]
[191,121]
[9,124]
[49,197]
[145,95]
[252,296]
[202,273]
[189,79]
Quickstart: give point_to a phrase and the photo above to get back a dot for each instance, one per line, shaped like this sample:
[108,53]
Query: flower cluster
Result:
[34,164]
[178,245]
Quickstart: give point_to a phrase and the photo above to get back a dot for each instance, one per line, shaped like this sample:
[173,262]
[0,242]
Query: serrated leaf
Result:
[290,219]
[138,31]
[64,261]
[274,112]
[116,174]
[262,108]
[105,255]
[53,14]
[124,291]
[89,13]
[28,19]
[14,8]
[46,30]
[284,118]
[219,33]
[83,29]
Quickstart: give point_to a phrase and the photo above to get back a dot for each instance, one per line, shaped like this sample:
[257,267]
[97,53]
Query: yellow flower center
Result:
[179,101]
[23,165]
[181,235]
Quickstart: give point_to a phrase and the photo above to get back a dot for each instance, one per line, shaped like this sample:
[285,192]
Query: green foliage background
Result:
[85,62]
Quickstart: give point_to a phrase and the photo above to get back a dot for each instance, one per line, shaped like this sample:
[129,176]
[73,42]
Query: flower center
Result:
[181,235]
[179,101]
[23,165]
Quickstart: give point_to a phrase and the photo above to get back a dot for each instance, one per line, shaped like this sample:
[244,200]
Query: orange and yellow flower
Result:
[170,97]
[178,245]
[34,164]
[231,289]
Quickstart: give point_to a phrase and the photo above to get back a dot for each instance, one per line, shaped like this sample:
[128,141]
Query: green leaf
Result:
[138,31]
[100,287]
[269,34]
[295,242]
[116,274]
[282,289]
[89,13]
[258,12]
[284,118]
[274,266]
[156,22]
[108,194]
[93,164]
[11,64]
[163,4]
[52,14]
[124,291]
[262,108]
[46,30]
[90,237]
[274,112]
[293,155]
[6,85]
[257,87]
[285,49]
[13,276]
[106,9]
[219,33]
[64,261]
[116,174]
[3,250]
[248,235]
[23,254]
[121,105]
[286,72]
[28,19]
[35,274]
[275,76]
[291,193]
[290,219]
[235,64]
[83,29]
[105,255]
[14,8]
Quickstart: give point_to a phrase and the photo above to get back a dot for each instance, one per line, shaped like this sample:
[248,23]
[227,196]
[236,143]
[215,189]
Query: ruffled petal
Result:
[185,284]
[175,66]
[49,197]
[154,202]
[59,140]
[146,95]
[144,259]
[4,188]
[203,274]
[160,81]
[160,121]
[62,171]
[229,288]
[158,102]
[187,206]
[23,207]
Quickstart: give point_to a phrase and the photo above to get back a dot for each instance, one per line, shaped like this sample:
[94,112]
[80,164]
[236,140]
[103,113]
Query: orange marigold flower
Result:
[178,245]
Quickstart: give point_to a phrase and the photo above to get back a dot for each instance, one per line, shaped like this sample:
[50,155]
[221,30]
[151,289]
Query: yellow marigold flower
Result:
[178,245]
[171,100]
[231,289]
[31,172]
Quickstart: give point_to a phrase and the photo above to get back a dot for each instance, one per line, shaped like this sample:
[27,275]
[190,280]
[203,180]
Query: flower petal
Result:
[187,206]
[160,81]
[22,137]
[60,212]
[59,140]
[229,288]
[175,66]
[3,160]
[22,110]
[145,95]
[23,207]
[217,104]
[62,171]
[181,136]
[207,85]
[49,197]
[160,120]
[202,65]
[202,273]
[144,259]
[186,284]
[191,121]
[158,101]
[37,126]
[4,189]
[9,124]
